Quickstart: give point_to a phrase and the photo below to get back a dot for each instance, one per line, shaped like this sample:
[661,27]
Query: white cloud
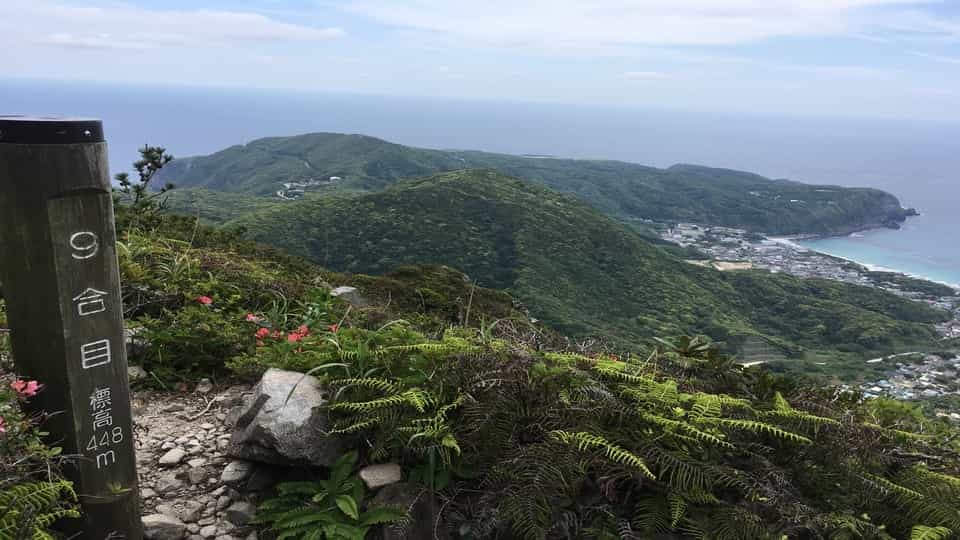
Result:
[619,22]
[938,57]
[124,26]
[98,41]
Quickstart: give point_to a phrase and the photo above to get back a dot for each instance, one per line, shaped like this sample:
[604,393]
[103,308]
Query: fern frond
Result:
[759,427]
[383,385]
[686,429]
[921,532]
[678,507]
[587,441]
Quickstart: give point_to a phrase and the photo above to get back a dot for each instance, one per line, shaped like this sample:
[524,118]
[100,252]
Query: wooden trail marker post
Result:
[58,266]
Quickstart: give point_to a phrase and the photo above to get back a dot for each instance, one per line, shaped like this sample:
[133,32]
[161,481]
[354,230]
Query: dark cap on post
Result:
[49,130]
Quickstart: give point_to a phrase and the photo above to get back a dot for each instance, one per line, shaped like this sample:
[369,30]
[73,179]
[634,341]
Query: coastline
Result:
[793,242]
[879,268]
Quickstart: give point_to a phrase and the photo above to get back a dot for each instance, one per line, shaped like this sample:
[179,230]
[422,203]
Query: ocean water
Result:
[917,161]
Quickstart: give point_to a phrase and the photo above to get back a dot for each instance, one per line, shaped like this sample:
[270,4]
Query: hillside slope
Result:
[579,271]
[510,434]
[625,191]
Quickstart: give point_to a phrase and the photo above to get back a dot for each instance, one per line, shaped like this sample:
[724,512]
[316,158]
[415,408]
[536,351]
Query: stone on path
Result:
[190,512]
[197,476]
[167,483]
[241,513]
[236,471]
[283,422]
[172,458]
[204,386]
[163,527]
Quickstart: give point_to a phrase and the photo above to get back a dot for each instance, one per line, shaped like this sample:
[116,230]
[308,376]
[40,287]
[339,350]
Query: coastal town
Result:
[916,376]
[911,376]
[920,377]
[729,249]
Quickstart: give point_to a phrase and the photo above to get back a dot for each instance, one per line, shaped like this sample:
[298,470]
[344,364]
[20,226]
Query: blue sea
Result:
[917,161]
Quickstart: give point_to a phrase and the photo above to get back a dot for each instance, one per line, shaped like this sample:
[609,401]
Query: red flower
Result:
[334,328]
[294,337]
[252,318]
[205,300]
[262,333]
[303,330]
[25,388]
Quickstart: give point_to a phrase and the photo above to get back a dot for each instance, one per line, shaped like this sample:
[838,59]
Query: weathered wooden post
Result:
[58,265]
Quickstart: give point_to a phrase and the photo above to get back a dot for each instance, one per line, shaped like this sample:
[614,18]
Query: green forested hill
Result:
[622,190]
[579,271]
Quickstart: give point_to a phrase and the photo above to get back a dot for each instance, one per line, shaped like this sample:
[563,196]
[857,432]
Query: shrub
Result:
[33,492]
[193,340]
[683,443]
[329,509]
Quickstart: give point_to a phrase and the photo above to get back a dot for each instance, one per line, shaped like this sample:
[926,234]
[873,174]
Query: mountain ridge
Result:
[626,191]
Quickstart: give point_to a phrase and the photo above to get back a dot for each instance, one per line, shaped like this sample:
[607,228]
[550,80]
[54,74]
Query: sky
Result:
[884,58]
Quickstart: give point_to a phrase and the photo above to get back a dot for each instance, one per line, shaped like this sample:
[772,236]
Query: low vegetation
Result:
[523,437]
[520,434]
[33,491]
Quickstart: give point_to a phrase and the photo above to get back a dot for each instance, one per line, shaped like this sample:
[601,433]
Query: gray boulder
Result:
[162,527]
[377,476]
[282,422]
[350,295]
[236,472]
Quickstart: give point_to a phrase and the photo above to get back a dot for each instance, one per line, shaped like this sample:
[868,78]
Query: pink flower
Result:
[205,300]
[294,337]
[3,427]
[25,388]
[334,328]
[252,318]
[303,330]
[262,333]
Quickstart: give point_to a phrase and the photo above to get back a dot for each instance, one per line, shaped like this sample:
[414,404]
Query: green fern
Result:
[782,409]
[587,441]
[921,532]
[27,509]
[759,427]
[327,509]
